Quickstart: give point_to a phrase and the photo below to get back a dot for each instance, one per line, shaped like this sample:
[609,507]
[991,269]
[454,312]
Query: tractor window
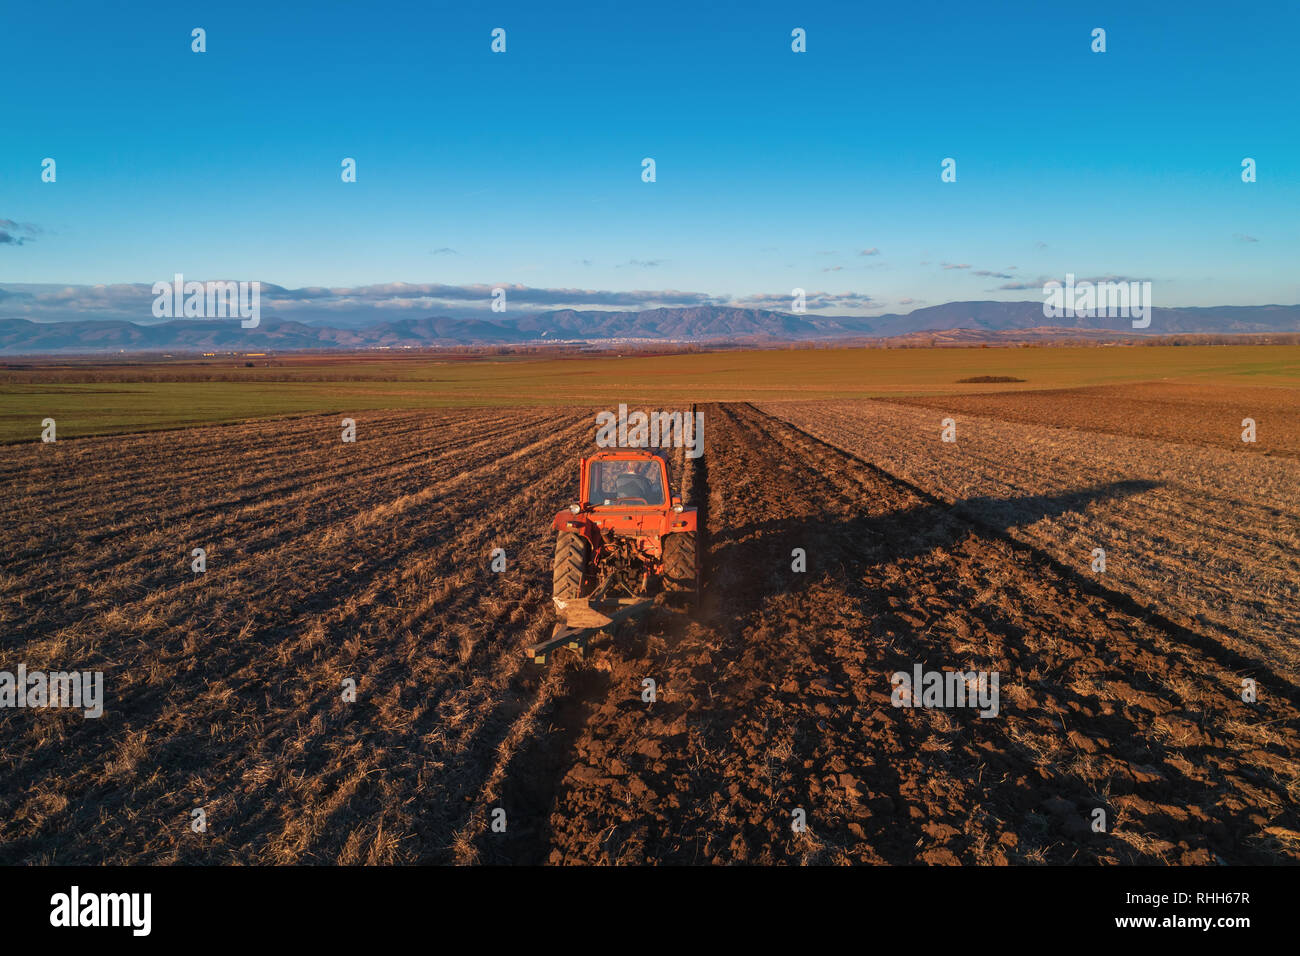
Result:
[637,483]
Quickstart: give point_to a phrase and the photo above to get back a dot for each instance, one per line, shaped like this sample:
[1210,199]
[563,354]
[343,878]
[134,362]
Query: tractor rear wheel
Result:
[570,566]
[682,564]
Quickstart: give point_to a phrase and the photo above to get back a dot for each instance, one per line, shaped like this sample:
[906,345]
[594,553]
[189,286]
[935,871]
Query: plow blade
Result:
[580,619]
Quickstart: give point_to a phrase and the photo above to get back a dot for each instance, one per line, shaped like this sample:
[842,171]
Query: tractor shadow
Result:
[836,544]
[901,534]
[760,556]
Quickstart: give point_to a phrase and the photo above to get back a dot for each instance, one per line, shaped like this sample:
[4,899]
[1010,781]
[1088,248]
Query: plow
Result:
[621,546]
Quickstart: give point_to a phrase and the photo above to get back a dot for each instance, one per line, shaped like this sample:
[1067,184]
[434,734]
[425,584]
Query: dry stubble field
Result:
[327,561]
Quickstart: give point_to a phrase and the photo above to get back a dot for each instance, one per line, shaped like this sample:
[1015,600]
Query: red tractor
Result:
[623,541]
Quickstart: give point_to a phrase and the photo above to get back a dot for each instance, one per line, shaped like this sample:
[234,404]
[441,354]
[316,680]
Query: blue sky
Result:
[774,169]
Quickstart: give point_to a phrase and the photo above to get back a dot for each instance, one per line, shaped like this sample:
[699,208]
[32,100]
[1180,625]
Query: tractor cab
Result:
[624,479]
[625,492]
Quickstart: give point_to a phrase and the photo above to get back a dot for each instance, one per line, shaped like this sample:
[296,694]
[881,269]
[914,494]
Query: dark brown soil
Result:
[371,562]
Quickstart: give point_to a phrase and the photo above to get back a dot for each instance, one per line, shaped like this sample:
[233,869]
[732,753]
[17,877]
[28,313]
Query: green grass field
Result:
[106,398]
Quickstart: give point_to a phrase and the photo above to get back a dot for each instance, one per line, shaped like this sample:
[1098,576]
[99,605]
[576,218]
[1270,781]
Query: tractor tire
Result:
[569,570]
[682,565]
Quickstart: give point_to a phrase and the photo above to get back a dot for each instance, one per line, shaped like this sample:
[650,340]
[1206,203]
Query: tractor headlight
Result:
[575,508]
[678,509]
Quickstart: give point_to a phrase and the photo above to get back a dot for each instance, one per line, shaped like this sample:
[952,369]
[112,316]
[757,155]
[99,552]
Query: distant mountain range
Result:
[703,324]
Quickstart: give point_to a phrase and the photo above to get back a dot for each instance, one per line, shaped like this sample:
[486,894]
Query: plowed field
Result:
[371,562]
